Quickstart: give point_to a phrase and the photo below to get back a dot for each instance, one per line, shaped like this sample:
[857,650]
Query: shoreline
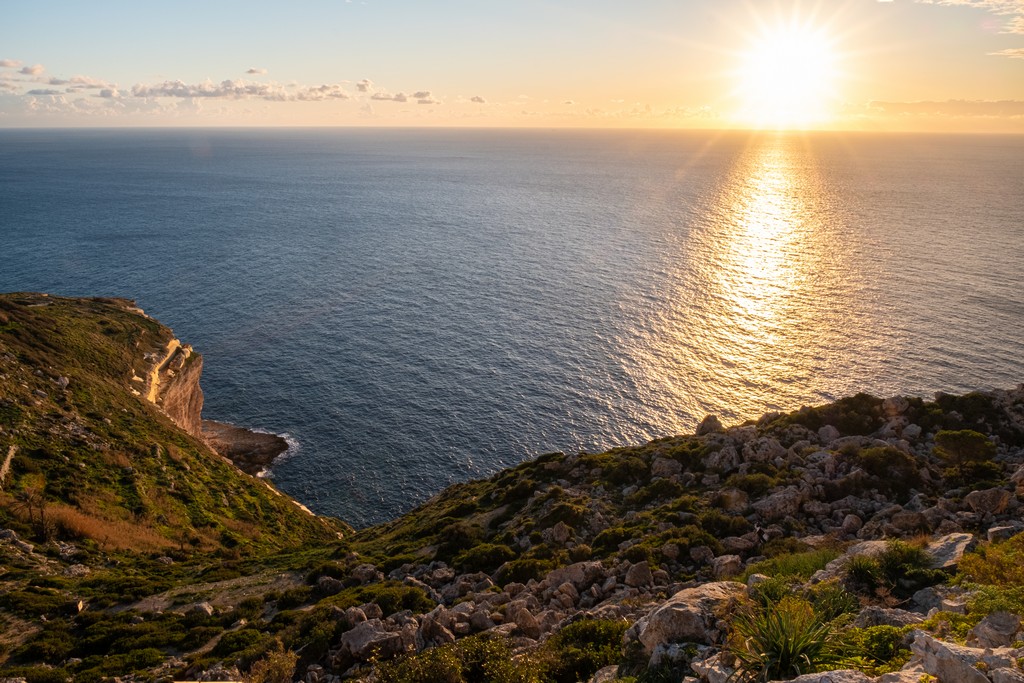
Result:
[250,451]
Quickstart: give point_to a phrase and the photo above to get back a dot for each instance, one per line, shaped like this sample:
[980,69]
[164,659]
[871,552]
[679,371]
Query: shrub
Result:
[521,571]
[877,649]
[999,564]
[901,569]
[783,641]
[968,454]
[471,660]
[831,601]
[755,485]
[719,524]
[483,557]
[576,652]
[277,666]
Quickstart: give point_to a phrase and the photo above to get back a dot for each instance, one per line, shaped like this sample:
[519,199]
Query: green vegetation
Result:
[968,455]
[573,655]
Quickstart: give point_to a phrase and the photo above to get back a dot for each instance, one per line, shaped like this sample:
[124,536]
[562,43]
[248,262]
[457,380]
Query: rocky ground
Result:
[866,539]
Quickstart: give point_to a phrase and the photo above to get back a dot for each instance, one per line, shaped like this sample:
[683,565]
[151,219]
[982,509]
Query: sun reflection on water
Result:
[764,295]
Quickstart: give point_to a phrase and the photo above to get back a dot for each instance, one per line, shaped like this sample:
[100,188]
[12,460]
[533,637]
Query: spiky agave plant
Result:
[782,640]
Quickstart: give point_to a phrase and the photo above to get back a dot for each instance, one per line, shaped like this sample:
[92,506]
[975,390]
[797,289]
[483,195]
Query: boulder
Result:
[371,637]
[988,501]
[726,565]
[639,575]
[781,504]
[691,615]
[525,620]
[606,675]
[998,629]
[1006,675]
[709,425]
[665,467]
[949,662]
[947,550]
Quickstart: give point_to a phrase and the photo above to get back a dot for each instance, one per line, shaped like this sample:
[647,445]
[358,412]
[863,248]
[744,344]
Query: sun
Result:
[787,77]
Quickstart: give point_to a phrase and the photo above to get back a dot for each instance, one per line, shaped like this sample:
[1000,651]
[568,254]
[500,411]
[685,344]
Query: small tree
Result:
[968,454]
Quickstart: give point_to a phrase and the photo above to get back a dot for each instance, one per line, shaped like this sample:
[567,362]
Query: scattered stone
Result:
[639,575]
[989,501]
[840,676]
[947,550]
[998,629]
[726,565]
[949,662]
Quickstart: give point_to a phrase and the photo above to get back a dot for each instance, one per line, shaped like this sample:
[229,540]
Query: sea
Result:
[418,307]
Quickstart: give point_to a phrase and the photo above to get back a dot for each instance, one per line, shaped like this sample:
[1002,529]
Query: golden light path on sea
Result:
[768,295]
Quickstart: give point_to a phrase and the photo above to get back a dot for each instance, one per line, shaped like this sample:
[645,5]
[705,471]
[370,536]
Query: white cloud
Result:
[33,70]
[255,71]
[365,85]
[569,102]
[421,95]
[1014,9]
[478,99]
[10,63]
[110,94]
[1012,52]
[44,91]
[322,92]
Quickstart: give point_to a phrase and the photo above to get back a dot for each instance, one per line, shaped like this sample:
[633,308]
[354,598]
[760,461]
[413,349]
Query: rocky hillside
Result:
[873,539]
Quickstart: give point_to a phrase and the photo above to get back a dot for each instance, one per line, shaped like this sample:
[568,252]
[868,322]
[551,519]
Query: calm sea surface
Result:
[415,308]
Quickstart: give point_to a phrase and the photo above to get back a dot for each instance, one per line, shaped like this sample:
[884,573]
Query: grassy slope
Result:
[107,466]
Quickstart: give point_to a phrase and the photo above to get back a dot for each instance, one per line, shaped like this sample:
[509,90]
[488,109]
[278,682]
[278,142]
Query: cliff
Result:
[871,539]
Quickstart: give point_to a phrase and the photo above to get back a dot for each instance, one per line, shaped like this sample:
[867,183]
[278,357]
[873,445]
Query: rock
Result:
[998,629]
[725,459]
[713,670]
[881,616]
[949,662]
[581,574]
[367,573]
[200,609]
[989,501]
[895,405]
[639,575]
[828,434]
[691,615]
[1006,675]
[912,432]
[781,504]
[702,554]
[736,545]
[726,565]
[560,533]
[371,637]
[840,676]
[851,524]
[328,585]
[434,629]
[1004,532]
[606,675]
[947,550]
[909,521]
[525,620]
[665,467]
[709,425]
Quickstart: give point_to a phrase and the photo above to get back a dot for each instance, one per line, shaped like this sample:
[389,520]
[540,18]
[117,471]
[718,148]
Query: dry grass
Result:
[110,534]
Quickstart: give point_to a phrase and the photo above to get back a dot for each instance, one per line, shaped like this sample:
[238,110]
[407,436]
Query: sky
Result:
[915,65]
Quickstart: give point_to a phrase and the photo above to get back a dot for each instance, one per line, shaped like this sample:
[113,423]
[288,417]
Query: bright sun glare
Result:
[787,78]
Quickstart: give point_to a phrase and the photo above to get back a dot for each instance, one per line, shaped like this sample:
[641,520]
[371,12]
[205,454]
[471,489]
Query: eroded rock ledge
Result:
[252,452]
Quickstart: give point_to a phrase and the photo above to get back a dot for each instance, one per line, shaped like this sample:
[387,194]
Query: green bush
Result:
[755,485]
[901,569]
[968,454]
[878,649]
[521,571]
[576,652]
[471,660]
[484,557]
[783,641]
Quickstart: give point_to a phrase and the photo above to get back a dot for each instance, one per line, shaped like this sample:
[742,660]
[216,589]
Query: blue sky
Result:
[899,64]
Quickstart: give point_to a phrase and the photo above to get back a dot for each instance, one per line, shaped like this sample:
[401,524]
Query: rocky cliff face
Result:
[174,387]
